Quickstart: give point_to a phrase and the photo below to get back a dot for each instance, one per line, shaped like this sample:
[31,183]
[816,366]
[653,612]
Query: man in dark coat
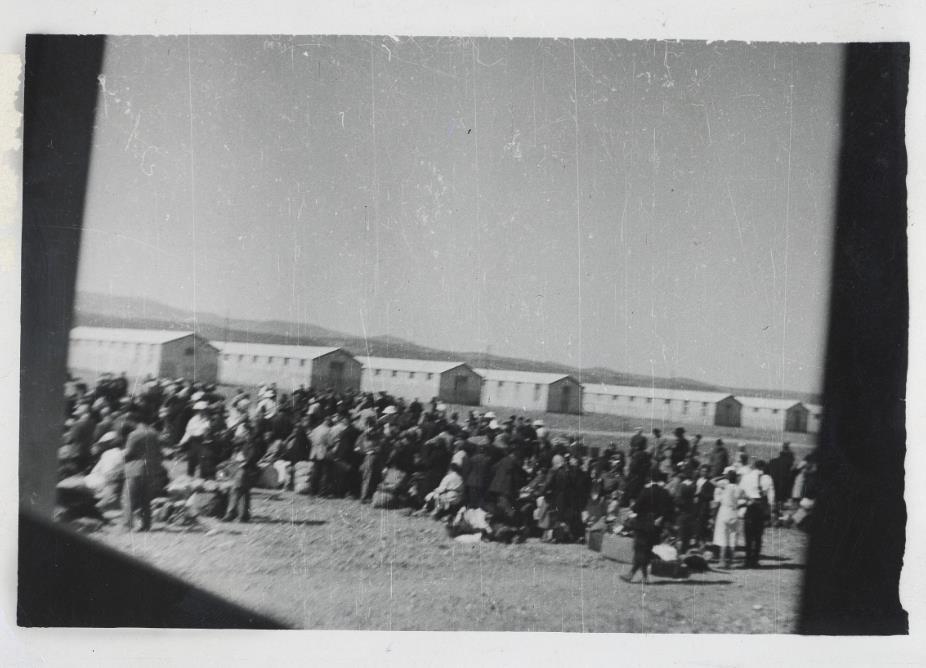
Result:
[507,480]
[637,474]
[685,510]
[142,458]
[680,448]
[479,476]
[704,498]
[653,508]
[719,459]
[245,473]
[780,469]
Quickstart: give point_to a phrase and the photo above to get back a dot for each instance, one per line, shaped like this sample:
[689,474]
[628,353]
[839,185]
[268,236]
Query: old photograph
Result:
[447,333]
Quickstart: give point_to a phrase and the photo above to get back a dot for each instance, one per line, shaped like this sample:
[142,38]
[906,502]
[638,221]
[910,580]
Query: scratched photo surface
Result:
[455,324]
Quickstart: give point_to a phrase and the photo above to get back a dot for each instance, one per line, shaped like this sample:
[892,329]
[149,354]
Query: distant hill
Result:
[98,310]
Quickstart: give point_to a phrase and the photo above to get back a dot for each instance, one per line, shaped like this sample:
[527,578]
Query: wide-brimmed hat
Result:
[389,410]
[200,406]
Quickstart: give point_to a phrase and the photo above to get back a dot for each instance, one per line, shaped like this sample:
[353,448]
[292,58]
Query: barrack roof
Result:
[129,335]
[402,364]
[656,392]
[762,402]
[536,377]
[274,350]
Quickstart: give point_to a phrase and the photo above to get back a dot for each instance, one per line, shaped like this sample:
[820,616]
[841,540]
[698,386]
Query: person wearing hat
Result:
[107,476]
[637,472]
[194,435]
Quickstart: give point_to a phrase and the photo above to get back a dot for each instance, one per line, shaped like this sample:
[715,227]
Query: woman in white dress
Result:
[730,498]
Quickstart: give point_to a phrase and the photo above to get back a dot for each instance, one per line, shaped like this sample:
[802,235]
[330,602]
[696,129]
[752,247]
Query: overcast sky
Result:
[652,207]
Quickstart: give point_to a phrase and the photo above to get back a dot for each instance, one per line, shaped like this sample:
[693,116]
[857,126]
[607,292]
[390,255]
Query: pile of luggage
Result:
[302,474]
[393,491]
[200,498]
[168,511]
[666,562]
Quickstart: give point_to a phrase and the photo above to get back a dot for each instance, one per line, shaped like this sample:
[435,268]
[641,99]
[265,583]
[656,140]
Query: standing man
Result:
[142,469]
[759,490]
[246,471]
[321,441]
[195,434]
[685,507]
[638,440]
[704,500]
[680,448]
[719,459]
[652,509]
[369,445]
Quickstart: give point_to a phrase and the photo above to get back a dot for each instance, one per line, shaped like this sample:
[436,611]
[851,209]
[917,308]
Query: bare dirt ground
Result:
[334,564]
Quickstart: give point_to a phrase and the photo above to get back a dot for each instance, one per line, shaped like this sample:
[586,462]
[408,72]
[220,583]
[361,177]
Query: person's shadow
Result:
[273,520]
[689,583]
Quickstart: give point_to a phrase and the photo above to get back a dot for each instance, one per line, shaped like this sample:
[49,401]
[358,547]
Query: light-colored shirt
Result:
[196,427]
[321,440]
[756,484]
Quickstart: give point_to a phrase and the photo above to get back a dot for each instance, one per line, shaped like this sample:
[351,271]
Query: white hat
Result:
[200,406]
[490,415]
[441,407]
[538,423]
[108,437]
[196,396]
[389,410]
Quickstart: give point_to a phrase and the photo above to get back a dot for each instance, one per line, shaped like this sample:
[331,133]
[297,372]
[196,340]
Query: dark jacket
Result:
[142,453]
[653,503]
[507,478]
[685,497]
[719,460]
[480,471]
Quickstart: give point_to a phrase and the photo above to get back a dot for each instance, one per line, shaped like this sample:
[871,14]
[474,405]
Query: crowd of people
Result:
[392,453]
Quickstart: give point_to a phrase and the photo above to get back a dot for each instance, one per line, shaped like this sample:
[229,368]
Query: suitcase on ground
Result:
[384,500]
[617,548]
[668,569]
[594,539]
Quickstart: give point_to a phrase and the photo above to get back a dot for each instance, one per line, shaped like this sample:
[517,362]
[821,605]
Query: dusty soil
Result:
[334,564]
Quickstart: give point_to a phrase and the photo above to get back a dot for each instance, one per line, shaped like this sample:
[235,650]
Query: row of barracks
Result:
[140,353]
